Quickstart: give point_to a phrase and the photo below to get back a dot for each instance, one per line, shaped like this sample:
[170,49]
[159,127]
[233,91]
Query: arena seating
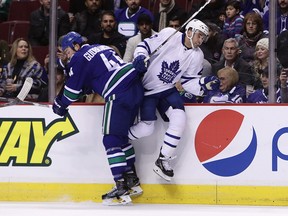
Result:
[11,30]
[21,10]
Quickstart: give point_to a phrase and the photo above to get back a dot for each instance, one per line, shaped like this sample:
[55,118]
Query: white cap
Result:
[263,42]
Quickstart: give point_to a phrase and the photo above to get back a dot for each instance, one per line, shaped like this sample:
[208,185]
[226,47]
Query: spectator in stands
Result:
[144,24]
[282,51]
[281,19]
[212,48]
[167,10]
[175,22]
[39,24]
[87,21]
[252,6]
[265,6]
[21,65]
[232,58]
[4,10]
[233,24]
[252,33]
[59,82]
[221,19]
[261,56]
[261,59]
[77,6]
[109,35]
[114,4]
[261,95]
[4,54]
[127,17]
[211,12]
[228,90]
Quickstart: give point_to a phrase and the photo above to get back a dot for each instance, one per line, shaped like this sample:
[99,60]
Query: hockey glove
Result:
[139,64]
[209,83]
[59,108]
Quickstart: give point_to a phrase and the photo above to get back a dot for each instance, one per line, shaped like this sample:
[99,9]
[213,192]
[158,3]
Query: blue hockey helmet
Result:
[70,39]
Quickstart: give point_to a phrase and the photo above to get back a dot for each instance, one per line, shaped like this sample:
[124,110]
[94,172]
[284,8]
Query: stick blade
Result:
[25,88]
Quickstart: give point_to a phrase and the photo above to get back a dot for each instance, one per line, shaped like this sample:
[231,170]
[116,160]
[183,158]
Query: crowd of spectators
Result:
[238,35]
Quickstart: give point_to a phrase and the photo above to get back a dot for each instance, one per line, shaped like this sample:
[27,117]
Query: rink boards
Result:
[228,155]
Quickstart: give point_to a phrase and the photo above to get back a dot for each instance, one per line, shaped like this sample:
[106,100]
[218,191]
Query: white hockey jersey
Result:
[173,62]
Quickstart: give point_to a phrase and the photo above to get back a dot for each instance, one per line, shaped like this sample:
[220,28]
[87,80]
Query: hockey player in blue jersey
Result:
[97,68]
[180,59]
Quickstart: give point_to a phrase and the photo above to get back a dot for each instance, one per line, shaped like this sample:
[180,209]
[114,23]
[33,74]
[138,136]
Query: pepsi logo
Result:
[225,143]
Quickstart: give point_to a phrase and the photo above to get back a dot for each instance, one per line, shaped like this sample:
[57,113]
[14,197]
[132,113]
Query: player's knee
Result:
[177,119]
[142,129]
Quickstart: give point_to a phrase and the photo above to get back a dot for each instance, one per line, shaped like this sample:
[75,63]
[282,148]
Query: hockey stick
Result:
[181,27]
[21,96]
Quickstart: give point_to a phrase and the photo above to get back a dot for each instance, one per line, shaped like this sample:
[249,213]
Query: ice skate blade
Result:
[159,172]
[123,200]
[135,191]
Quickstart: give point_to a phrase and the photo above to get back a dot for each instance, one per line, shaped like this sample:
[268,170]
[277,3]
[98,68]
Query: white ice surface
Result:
[97,209]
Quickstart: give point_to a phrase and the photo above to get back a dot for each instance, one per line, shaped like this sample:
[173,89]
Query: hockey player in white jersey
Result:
[180,59]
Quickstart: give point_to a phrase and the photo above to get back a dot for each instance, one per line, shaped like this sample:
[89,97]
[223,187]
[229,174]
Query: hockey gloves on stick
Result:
[139,64]
[209,83]
[59,108]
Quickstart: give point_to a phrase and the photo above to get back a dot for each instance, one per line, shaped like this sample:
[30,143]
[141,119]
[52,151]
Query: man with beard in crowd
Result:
[109,35]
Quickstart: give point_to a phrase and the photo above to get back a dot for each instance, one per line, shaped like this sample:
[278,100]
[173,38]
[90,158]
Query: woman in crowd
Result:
[21,66]
[252,33]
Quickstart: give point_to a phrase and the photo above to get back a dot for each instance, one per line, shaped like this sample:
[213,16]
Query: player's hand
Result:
[209,83]
[139,64]
[59,108]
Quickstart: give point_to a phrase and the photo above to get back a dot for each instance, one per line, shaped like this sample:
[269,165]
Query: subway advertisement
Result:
[229,154]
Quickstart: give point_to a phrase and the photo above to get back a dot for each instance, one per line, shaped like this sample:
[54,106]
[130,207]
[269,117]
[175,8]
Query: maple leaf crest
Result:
[169,72]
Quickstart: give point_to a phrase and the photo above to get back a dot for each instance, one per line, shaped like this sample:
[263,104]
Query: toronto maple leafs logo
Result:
[168,73]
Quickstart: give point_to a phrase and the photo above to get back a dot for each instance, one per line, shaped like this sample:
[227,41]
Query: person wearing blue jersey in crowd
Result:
[97,68]
[127,17]
[228,89]
[281,21]
[261,95]
[180,59]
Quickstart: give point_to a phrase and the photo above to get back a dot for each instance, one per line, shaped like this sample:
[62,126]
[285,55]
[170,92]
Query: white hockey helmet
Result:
[196,24]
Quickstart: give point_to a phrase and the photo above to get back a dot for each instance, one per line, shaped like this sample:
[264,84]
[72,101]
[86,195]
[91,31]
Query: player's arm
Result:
[70,93]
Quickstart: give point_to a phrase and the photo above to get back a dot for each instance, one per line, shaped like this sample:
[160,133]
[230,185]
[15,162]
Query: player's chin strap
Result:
[190,38]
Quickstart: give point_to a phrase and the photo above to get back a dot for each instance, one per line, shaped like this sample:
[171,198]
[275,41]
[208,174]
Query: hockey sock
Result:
[117,162]
[177,121]
[128,149]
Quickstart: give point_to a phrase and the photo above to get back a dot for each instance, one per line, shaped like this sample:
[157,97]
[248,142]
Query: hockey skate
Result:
[134,184]
[163,168]
[119,195]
